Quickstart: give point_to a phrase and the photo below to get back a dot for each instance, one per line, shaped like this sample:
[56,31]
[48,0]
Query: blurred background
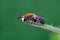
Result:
[13,29]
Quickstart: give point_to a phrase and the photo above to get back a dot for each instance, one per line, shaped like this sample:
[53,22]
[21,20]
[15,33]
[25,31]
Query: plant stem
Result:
[48,27]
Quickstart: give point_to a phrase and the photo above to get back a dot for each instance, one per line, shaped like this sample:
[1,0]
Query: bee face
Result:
[22,19]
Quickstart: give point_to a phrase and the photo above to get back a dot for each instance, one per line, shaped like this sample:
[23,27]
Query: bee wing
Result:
[42,17]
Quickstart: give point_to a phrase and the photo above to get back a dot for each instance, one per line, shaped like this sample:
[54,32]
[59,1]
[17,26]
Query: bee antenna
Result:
[19,17]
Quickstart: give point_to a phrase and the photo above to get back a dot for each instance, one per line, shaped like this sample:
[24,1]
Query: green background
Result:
[13,29]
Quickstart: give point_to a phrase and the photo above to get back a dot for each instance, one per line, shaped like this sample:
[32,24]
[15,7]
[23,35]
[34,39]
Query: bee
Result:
[31,17]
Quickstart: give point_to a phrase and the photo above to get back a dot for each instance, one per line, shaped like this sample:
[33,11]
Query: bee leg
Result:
[42,22]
